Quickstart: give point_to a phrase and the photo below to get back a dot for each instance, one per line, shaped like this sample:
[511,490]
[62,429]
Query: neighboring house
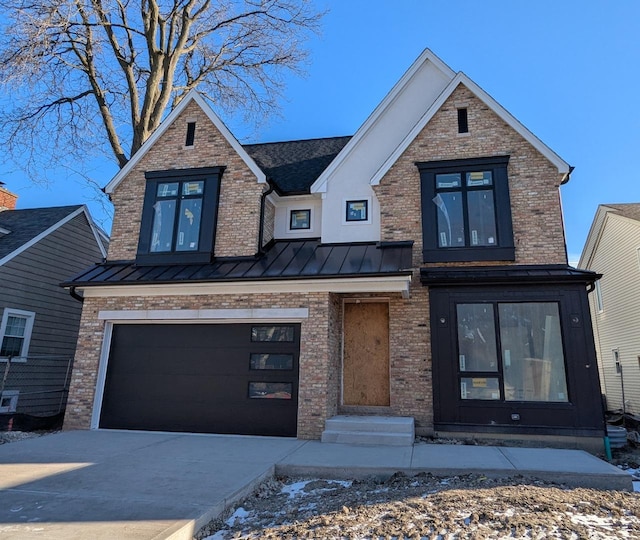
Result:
[613,250]
[416,269]
[40,248]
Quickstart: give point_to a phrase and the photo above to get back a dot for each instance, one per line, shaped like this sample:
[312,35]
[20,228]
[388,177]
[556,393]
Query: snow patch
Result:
[239,515]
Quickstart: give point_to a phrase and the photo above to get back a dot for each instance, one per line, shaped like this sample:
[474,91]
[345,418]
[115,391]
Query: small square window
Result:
[300,219]
[358,210]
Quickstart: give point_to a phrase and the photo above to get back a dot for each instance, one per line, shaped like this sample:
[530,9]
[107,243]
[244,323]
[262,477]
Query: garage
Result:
[203,378]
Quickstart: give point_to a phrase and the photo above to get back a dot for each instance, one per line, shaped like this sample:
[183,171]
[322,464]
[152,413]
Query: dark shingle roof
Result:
[24,225]
[293,166]
[296,259]
[629,210]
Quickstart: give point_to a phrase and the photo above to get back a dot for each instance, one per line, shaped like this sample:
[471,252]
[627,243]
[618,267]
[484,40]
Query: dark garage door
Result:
[203,378]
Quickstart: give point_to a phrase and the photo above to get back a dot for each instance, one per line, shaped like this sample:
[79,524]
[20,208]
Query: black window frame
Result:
[211,176]
[366,211]
[307,211]
[504,250]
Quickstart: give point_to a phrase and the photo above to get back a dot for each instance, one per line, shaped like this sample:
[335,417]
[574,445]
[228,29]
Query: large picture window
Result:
[466,213]
[179,216]
[511,352]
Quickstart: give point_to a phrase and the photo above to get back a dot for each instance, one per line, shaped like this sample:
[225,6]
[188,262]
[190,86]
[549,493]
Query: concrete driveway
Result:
[81,485]
[107,484]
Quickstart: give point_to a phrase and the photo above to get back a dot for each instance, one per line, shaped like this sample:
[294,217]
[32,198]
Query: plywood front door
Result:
[366,354]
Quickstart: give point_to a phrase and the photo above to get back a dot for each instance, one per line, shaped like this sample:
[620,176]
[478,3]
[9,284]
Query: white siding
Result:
[618,325]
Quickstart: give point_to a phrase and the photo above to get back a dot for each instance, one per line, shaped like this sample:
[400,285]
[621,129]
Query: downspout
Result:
[75,295]
[263,200]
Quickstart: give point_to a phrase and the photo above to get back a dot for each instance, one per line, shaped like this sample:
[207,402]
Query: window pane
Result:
[476,338]
[479,388]
[162,232]
[11,346]
[193,188]
[450,220]
[300,219]
[15,326]
[272,333]
[271,361]
[268,390]
[168,189]
[451,180]
[482,218]
[188,234]
[532,353]
[480,178]
[357,210]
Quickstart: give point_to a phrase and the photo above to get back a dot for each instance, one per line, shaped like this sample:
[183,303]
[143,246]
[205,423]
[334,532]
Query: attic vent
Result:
[191,133]
[463,123]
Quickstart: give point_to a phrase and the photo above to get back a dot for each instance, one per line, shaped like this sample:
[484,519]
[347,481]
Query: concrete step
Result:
[368,437]
[375,430]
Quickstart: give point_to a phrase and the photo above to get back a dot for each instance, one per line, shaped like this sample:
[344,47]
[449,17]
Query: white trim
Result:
[191,96]
[396,284]
[320,185]
[13,403]
[37,239]
[97,233]
[101,376]
[499,110]
[28,329]
[274,314]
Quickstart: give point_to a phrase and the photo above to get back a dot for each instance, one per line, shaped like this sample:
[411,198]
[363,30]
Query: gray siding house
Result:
[39,320]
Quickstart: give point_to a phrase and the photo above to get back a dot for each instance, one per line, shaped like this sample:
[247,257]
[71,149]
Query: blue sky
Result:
[569,70]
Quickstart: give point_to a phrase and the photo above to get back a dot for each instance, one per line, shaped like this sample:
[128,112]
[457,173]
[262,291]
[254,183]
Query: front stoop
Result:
[374,430]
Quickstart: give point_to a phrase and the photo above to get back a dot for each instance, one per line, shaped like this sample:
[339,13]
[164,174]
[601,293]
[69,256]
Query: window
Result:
[463,121]
[616,361]
[9,401]
[357,210]
[300,219]
[511,351]
[191,134]
[466,211]
[272,333]
[268,361]
[270,390]
[15,331]
[179,216]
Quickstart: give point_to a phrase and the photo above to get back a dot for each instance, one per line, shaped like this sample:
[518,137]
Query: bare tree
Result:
[79,76]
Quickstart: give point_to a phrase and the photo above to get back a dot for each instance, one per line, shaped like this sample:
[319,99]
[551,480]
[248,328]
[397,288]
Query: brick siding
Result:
[240,193]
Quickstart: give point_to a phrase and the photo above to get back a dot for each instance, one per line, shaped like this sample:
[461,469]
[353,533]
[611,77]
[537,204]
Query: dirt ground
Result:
[428,507]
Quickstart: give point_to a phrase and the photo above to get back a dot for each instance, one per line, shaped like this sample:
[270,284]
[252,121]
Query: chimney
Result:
[7,199]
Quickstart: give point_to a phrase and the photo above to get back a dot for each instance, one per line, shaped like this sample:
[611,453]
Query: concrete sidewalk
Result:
[133,485]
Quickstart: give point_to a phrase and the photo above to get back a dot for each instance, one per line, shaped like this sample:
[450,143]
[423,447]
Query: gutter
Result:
[75,295]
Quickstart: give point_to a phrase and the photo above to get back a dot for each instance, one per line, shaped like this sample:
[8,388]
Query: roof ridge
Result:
[298,140]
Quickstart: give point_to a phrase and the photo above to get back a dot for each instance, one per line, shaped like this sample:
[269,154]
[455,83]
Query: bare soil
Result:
[428,507]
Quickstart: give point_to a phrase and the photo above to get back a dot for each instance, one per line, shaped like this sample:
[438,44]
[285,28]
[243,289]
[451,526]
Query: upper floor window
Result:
[357,210]
[15,333]
[466,211]
[179,216]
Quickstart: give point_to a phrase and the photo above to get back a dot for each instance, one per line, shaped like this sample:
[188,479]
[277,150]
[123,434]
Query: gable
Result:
[191,97]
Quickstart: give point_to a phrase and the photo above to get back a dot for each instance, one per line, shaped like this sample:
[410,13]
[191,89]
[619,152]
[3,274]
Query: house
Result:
[416,269]
[613,250]
[39,248]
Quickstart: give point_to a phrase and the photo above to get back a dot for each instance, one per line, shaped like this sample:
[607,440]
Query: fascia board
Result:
[499,110]
[593,238]
[95,231]
[193,95]
[320,185]
[39,237]
[399,284]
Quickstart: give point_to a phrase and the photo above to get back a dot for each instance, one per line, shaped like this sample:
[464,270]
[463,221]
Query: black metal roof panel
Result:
[299,259]
[514,274]
[293,166]
[25,225]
